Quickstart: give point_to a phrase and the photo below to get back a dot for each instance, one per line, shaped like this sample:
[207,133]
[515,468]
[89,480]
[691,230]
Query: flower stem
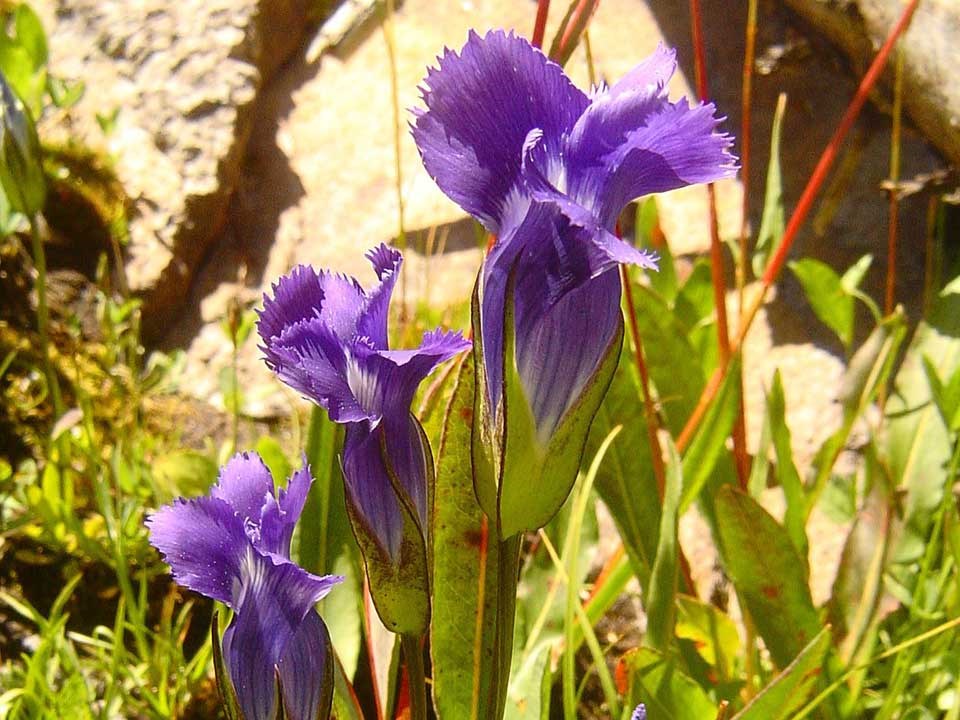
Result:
[508,575]
[43,318]
[540,24]
[413,657]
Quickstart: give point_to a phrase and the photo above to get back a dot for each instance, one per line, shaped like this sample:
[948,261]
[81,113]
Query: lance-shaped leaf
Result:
[768,573]
[465,561]
[21,173]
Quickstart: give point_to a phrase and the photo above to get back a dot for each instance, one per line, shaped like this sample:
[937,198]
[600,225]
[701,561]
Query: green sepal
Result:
[228,695]
[21,172]
[520,479]
[400,588]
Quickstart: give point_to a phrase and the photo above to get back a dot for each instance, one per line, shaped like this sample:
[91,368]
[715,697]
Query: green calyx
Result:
[400,585]
[520,480]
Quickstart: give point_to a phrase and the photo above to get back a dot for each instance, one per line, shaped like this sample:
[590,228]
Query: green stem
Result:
[413,657]
[508,575]
[43,318]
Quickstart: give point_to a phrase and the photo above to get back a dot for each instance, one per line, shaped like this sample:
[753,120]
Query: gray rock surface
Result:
[931,48]
[183,78]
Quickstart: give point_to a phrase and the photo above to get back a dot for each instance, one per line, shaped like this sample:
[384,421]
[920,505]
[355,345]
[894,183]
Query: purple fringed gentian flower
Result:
[326,337]
[547,169]
[233,545]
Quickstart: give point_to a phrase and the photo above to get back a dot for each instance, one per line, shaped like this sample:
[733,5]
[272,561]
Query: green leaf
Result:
[274,458]
[787,692]
[464,569]
[525,700]
[773,221]
[324,543]
[713,633]
[30,35]
[795,517]
[660,600]
[655,680]
[346,706]
[183,472]
[21,173]
[946,396]
[768,573]
[858,585]
[826,294]
[625,480]
[917,441]
[63,93]
[708,445]
[648,235]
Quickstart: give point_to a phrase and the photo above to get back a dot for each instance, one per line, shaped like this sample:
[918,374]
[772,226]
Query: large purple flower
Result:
[234,546]
[547,169]
[326,336]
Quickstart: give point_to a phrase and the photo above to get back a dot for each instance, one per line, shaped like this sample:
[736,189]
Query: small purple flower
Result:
[326,336]
[640,713]
[234,546]
[547,169]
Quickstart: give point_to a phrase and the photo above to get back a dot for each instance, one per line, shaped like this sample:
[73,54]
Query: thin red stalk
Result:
[800,213]
[568,32]
[656,451]
[650,412]
[540,24]
[716,257]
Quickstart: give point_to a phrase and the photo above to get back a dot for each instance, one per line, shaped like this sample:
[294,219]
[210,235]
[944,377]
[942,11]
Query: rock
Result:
[182,79]
[931,55]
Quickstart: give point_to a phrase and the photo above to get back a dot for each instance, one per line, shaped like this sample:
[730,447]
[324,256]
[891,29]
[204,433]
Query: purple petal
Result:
[481,104]
[560,348]
[297,296]
[302,668]
[373,318]
[616,111]
[558,251]
[677,146]
[312,359]
[385,381]
[271,605]
[203,540]
[368,486]
[280,514]
[640,713]
[244,484]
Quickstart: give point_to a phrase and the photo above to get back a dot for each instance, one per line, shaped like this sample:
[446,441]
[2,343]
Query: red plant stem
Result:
[716,258]
[653,426]
[656,452]
[540,24]
[800,213]
[582,6]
